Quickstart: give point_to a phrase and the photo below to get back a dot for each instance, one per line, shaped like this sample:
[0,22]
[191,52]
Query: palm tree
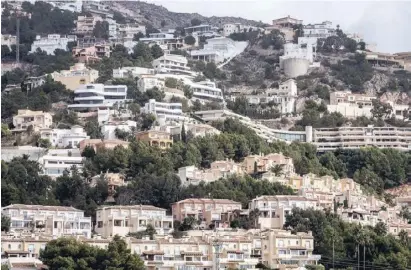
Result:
[277,169]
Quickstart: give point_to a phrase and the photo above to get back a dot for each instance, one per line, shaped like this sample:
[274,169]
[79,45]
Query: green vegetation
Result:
[353,72]
[101,30]
[68,253]
[189,40]
[39,98]
[5,223]
[262,111]
[275,40]
[382,250]
[44,20]
[195,22]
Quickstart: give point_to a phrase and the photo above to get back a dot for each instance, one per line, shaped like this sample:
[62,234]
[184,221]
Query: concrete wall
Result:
[295,67]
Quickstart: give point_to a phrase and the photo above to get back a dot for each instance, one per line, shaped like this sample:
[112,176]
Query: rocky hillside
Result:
[154,15]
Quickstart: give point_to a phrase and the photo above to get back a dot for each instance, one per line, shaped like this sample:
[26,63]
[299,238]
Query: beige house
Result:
[284,250]
[37,119]
[78,75]
[124,219]
[274,209]
[208,211]
[265,163]
[157,138]
[191,175]
[99,144]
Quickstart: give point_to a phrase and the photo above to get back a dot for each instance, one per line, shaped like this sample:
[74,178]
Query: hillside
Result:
[154,15]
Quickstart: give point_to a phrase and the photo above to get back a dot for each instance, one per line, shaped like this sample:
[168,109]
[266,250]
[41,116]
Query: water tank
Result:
[294,67]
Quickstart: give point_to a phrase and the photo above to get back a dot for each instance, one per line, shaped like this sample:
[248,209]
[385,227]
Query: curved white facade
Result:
[165,112]
[95,96]
[171,63]
[206,91]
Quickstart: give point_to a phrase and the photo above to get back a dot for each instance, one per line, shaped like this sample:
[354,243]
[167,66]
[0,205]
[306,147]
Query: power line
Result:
[352,262]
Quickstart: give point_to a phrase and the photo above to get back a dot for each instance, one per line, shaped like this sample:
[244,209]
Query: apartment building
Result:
[172,64]
[130,29]
[98,144]
[63,138]
[53,220]
[330,139]
[51,43]
[261,163]
[319,30]
[85,25]
[92,54]
[351,105]
[36,119]
[98,96]
[57,161]
[109,129]
[191,175]
[209,211]
[131,72]
[165,112]
[274,209]
[235,249]
[78,75]
[156,138]
[325,200]
[147,82]
[166,41]
[124,219]
[284,250]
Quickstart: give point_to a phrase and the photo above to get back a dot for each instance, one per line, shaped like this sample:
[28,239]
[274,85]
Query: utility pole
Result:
[18,39]
[333,252]
[364,256]
[358,253]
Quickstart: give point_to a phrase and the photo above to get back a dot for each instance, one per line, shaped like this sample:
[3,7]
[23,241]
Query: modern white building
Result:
[297,59]
[95,96]
[73,6]
[319,30]
[109,129]
[165,112]
[166,41]
[131,72]
[206,91]
[218,49]
[63,138]
[146,82]
[57,221]
[172,63]
[51,43]
[231,28]
[124,219]
[56,161]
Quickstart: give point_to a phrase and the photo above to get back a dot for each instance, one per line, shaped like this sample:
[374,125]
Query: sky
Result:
[386,23]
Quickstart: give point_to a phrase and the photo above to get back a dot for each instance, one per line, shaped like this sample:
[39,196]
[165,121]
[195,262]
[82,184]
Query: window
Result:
[100,224]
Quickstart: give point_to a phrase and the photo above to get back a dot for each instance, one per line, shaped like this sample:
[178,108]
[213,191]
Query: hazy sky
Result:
[387,23]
